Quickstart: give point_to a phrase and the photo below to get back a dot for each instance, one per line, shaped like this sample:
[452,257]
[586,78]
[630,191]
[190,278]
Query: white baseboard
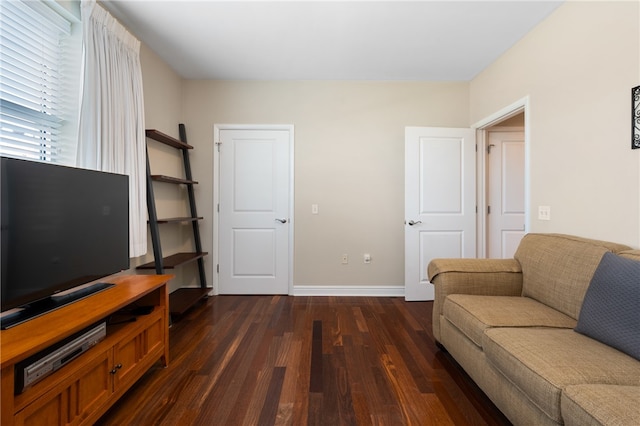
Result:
[340,290]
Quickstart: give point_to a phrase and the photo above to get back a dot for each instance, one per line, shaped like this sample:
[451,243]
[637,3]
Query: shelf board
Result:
[184,298]
[179,219]
[166,139]
[175,260]
[170,179]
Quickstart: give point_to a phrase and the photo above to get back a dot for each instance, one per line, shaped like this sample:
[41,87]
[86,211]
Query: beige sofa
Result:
[510,324]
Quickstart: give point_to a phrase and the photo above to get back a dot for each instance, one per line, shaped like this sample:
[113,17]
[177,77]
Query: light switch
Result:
[544,212]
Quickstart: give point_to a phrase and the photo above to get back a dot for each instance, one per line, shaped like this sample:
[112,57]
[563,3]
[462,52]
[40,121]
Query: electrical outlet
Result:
[314,209]
[367,258]
[345,259]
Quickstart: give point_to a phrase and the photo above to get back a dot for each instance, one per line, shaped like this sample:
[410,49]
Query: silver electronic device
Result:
[39,366]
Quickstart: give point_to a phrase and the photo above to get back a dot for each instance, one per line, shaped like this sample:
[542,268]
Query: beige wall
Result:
[163,91]
[577,67]
[349,148]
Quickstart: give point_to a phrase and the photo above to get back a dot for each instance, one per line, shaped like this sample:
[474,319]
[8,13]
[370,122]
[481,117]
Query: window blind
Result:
[31,58]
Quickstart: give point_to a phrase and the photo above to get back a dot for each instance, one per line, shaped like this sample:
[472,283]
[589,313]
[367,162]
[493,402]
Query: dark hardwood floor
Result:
[278,360]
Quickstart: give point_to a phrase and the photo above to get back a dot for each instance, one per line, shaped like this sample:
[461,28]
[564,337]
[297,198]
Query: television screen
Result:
[60,227]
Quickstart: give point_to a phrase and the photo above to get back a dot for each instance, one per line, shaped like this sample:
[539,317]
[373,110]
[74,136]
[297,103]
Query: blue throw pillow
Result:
[611,308]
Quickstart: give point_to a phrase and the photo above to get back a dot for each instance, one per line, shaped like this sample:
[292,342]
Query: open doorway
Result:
[504,192]
[503,181]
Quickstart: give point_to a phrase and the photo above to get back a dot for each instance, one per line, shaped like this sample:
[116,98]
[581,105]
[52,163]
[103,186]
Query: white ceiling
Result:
[330,40]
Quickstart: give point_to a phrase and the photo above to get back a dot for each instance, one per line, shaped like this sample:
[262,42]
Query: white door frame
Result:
[216,192]
[520,106]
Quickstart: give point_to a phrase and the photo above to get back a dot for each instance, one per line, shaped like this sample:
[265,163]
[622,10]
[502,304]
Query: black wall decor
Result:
[635,117]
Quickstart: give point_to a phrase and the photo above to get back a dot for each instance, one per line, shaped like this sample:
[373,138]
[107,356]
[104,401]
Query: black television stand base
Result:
[48,304]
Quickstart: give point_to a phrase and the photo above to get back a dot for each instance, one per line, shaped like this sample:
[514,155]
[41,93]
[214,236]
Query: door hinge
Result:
[218,145]
[488,209]
[218,268]
[218,208]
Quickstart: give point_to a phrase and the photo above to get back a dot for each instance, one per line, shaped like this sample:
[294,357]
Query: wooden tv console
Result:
[81,391]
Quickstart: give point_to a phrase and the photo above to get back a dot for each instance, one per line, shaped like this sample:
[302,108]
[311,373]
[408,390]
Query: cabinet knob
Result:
[116,368]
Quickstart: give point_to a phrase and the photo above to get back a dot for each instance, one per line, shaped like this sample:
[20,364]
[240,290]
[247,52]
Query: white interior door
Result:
[505,192]
[255,215]
[440,201]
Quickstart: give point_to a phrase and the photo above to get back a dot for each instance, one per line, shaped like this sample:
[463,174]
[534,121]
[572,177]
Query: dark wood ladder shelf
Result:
[184,298]
[175,260]
[166,139]
[179,219]
[170,179]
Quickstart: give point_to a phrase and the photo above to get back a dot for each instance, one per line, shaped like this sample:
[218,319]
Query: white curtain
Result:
[111,129]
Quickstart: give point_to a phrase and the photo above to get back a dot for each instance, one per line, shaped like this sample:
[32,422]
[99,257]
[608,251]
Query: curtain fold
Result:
[111,126]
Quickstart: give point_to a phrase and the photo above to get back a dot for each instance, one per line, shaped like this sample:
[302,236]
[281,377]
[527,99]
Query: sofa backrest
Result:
[557,268]
[631,254]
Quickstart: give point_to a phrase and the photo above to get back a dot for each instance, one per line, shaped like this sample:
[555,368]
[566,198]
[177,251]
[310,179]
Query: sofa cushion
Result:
[472,314]
[587,405]
[557,269]
[611,308]
[541,362]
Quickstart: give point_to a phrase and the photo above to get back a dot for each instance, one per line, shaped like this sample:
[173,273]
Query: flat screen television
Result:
[61,227]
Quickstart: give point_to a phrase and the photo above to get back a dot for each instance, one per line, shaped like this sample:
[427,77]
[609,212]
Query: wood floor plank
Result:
[252,409]
[302,332]
[280,360]
[229,402]
[338,407]
[285,415]
[316,407]
[288,393]
[283,346]
[269,411]
[317,365]
[361,410]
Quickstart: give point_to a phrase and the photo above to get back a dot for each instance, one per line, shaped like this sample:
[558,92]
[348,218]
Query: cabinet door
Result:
[92,389]
[154,338]
[45,411]
[126,356]
[75,398]
[136,352]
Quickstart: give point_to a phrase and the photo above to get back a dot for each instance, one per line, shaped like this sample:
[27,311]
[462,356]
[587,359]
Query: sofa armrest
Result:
[488,277]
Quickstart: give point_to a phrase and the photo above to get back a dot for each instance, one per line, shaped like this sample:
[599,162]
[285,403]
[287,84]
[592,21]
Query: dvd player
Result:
[42,364]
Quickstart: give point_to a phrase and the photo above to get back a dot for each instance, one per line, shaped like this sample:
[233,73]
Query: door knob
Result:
[411,222]
[282,220]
